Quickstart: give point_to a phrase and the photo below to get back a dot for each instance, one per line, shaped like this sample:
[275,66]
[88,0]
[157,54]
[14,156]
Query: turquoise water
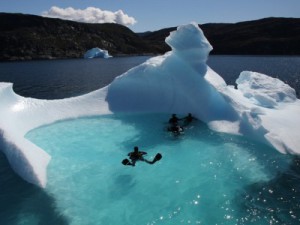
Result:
[204,177]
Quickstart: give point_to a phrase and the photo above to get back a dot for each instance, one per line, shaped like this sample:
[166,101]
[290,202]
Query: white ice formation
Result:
[96,53]
[261,108]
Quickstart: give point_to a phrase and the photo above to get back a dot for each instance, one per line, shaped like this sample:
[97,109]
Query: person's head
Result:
[136,149]
[173,115]
[190,115]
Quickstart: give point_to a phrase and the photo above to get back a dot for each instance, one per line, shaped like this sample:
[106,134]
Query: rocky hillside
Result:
[270,36]
[35,37]
[25,37]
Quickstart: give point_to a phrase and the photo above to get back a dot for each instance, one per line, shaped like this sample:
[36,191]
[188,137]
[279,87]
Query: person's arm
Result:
[143,153]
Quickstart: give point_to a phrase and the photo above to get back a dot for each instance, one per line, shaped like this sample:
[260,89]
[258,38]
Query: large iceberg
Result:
[96,53]
[262,108]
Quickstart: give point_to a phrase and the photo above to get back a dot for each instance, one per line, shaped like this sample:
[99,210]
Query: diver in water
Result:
[188,119]
[174,120]
[137,155]
[176,129]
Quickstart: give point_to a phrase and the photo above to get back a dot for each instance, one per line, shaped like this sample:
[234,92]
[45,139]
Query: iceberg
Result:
[262,108]
[96,53]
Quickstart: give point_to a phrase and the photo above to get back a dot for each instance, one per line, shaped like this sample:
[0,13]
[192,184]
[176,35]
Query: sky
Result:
[152,15]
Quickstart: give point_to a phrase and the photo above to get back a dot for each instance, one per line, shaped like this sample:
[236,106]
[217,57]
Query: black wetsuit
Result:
[135,156]
[174,120]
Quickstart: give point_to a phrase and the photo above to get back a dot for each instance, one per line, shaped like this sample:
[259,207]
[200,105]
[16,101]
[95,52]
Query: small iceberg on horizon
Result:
[96,53]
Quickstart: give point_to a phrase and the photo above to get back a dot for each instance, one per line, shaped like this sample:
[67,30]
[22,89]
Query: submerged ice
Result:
[262,108]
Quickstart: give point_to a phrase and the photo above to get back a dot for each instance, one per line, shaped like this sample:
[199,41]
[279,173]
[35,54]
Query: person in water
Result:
[174,120]
[176,129]
[137,155]
[188,119]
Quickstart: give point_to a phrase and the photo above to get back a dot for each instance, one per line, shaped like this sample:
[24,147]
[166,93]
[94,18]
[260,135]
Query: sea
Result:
[204,177]
[57,79]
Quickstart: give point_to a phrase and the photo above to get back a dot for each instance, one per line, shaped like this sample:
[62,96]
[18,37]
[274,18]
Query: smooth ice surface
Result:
[96,53]
[204,177]
[177,82]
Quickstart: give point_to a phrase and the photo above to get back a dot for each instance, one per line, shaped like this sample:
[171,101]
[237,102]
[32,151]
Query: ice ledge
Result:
[25,158]
[18,115]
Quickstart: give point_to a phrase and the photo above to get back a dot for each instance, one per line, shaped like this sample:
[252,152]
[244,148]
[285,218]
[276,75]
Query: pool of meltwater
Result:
[203,177]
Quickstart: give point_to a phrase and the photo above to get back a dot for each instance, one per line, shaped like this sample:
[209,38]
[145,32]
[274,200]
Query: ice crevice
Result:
[262,108]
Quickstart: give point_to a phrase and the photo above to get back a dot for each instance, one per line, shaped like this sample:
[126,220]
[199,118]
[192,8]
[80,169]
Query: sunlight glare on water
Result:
[203,178]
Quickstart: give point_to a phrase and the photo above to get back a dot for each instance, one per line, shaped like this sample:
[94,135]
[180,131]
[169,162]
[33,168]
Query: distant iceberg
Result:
[96,53]
[262,108]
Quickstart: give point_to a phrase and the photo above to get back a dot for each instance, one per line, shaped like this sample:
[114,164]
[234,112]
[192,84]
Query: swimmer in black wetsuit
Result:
[188,119]
[174,120]
[137,155]
[175,128]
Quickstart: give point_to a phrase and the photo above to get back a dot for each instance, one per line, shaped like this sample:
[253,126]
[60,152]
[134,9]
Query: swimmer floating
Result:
[137,155]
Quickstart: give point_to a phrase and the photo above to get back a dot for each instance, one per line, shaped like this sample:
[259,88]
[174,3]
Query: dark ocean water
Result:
[273,202]
[284,68]
[57,79]
[66,78]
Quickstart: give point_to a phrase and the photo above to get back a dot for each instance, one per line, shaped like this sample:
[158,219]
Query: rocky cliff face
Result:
[270,36]
[34,37]
[25,37]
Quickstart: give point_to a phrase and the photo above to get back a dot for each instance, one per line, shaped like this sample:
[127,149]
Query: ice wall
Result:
[262,108]
[181,82]
[174,82]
